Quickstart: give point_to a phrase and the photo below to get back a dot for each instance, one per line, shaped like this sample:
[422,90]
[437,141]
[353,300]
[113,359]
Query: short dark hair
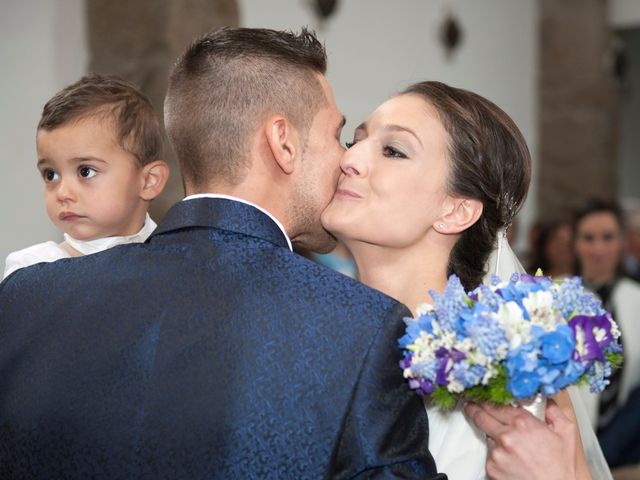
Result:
[489,161]
[595,206]
[137,127]
[599,205]
[229,81]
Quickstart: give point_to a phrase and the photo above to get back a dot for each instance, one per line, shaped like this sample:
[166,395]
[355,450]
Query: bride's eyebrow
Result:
[399,128]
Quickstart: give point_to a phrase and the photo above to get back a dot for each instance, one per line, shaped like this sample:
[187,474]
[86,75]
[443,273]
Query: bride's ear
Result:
[282,140]
[459,214]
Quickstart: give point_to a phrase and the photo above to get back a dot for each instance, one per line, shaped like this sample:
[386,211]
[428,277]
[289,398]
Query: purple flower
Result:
[445,367]
[406,362]
[421,386]
[592,334]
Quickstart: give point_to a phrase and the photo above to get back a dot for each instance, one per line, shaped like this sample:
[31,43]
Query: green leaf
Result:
[496,392]
[615,359]
[443,398]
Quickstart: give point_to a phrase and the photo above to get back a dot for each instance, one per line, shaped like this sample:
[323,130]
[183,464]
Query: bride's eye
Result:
[393,152]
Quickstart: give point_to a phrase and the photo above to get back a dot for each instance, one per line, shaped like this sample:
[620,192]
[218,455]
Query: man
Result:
[213,351]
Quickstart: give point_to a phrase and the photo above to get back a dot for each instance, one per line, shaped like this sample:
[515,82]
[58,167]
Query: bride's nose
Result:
[352,165]
[350,171]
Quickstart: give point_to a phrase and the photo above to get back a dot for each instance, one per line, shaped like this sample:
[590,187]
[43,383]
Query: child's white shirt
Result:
[51,251]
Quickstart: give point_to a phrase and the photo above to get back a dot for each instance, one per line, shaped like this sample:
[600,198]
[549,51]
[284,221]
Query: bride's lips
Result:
[69,216]
[344,193]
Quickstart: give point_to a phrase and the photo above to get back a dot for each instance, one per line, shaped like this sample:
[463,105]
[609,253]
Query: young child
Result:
[98,143]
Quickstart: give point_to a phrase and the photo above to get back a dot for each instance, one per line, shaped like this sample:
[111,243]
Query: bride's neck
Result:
[406,274]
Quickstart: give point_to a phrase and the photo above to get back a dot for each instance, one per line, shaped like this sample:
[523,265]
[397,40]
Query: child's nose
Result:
[65,191]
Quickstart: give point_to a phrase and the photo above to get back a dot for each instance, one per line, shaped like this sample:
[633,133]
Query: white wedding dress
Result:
[459,449]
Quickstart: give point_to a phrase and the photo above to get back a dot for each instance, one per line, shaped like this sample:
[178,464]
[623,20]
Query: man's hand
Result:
[523,447]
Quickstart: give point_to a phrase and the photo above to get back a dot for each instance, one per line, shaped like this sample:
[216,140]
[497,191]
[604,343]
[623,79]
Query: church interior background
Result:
[567,72]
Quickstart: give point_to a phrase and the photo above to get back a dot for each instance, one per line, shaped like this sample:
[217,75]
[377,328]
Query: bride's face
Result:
[393,182]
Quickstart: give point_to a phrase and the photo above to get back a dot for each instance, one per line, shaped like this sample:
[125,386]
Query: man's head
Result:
[251,107]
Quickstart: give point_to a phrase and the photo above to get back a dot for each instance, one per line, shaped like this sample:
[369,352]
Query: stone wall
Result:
[578,106]
[139,40]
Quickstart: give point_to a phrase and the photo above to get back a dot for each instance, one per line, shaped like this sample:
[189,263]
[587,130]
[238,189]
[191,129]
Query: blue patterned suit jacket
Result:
[211,351]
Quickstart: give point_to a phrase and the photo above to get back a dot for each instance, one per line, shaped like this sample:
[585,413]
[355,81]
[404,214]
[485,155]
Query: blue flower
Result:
[547,372]
[557,346]
[414,328]
[522,359]
[490,299]
[485,330]
[426,369]
[468,375]
[523,385]
[571,299]
[597,376]
[570,374]
[450,304]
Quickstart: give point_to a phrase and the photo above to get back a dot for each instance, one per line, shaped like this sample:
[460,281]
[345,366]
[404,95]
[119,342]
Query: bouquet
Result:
[509,341]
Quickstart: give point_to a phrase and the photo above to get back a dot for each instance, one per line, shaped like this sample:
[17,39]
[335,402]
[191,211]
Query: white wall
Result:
[42,49]
[624,13]
[377,47]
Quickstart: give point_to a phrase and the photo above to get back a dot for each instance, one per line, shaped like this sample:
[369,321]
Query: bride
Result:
[431,178]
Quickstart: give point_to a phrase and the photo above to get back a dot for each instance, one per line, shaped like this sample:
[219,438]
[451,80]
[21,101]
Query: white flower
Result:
[424,308]
[455,386]
[615,330]
[489,375]
[516,328]
[540,307]
[466,346]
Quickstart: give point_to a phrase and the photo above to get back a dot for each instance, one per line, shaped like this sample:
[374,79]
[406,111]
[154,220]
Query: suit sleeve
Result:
[385,433]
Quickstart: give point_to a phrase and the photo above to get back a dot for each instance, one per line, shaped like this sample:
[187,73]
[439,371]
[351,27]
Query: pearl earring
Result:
[441,225]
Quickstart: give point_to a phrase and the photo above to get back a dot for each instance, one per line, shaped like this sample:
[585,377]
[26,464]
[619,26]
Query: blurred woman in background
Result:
[599,248]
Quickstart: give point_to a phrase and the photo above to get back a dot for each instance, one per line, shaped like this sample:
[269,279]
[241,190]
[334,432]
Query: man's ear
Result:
[155,176]
[282,139]
[459,214]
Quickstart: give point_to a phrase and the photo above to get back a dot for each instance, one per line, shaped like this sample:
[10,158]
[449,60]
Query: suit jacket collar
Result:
[224,214]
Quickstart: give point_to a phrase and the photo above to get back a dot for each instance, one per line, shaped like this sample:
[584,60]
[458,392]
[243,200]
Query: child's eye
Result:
[49,175]
[349,144]
[86,172]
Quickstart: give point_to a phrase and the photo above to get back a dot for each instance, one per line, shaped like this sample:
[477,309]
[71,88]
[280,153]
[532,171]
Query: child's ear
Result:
[155,176]
[459,214]
[282,139]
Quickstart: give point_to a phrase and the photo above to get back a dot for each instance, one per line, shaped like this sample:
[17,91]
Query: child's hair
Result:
[137,128]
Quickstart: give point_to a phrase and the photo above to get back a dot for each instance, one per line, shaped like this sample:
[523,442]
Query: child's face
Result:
[92,185]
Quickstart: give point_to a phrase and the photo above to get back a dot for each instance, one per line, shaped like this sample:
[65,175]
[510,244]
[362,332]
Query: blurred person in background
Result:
[599,247]
[632,223]
[553,250]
